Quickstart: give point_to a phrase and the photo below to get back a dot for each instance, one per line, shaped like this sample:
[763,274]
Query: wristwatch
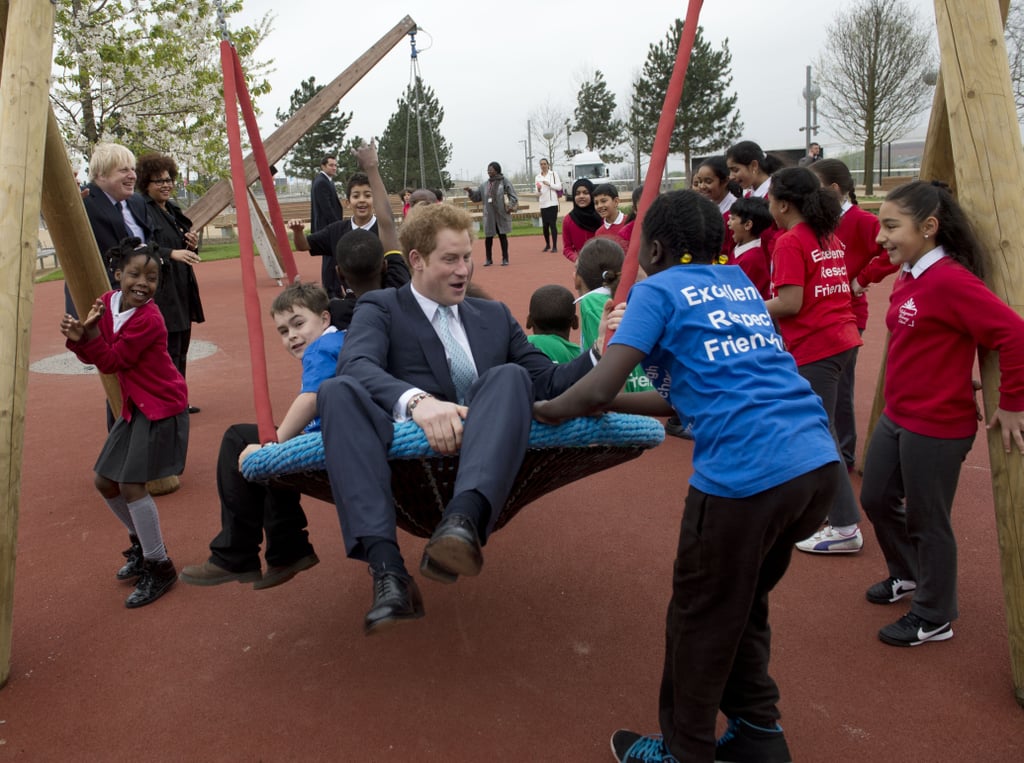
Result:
[415,400]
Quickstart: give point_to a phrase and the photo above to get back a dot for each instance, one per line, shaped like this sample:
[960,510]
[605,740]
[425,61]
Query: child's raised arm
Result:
[366,156]
[75,329]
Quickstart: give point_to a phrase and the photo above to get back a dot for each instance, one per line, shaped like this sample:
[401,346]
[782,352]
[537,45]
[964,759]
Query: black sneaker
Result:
[743,742]
[890,590]
[630,747]
[911,630]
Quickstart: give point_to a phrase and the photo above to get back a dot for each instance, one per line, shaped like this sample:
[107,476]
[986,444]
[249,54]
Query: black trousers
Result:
[846,420]
[177,348]
[823,376]
[248,509]
[732,552]
[489,243]
[549,221]
[907,493]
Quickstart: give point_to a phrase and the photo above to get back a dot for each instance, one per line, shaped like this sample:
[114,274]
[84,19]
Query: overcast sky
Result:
[493,64]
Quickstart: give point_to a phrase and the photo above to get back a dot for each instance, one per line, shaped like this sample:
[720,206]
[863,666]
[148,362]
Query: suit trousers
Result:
[247,509]
[357,434]
[732,552]
[907,493]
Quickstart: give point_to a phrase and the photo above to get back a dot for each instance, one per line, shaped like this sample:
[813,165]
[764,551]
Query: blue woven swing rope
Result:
[306,452]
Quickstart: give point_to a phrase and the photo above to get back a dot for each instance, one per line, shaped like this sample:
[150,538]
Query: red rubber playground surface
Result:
[553,647]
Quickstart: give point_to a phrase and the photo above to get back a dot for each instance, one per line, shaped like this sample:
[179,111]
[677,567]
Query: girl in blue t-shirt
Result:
[765,472]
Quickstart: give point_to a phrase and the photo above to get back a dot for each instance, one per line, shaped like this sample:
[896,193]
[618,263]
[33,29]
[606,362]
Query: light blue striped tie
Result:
[461,367]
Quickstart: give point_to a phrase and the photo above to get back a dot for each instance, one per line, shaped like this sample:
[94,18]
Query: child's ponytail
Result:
[818,206]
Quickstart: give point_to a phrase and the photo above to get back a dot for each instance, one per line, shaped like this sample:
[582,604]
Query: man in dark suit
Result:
[325,207]
[114,210]
[463,370]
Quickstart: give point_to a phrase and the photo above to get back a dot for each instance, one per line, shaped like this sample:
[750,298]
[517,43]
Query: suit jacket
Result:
[391,347]
[325,208]
[106,220]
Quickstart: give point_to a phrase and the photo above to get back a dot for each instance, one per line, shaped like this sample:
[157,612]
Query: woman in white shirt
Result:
[549,188]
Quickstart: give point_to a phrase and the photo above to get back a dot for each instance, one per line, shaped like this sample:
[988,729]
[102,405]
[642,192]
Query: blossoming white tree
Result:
[147,73]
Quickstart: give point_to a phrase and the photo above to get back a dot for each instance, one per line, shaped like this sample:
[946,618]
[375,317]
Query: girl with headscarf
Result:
[579,226]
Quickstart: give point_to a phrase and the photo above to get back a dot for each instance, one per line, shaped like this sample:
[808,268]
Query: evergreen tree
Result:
[347,164]
[121,73]
[399,152]
[325,138]
[595,117]
[707,119]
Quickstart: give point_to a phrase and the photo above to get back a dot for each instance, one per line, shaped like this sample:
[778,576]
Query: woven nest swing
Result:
[422,480]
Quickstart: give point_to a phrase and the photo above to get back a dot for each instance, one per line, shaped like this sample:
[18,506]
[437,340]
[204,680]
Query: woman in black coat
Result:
[178,293]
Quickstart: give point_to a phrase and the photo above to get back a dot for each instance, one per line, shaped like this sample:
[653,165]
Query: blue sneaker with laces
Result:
[744,742]
[630,747]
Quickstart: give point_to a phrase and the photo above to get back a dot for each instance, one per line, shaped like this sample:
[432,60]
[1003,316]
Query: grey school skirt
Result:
[141,450]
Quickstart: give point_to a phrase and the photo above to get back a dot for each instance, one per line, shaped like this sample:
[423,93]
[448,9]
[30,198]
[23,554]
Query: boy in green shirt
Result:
[552,316]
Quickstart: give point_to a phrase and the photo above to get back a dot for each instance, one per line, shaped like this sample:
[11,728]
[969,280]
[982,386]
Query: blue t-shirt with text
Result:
[319,362]
[713,353]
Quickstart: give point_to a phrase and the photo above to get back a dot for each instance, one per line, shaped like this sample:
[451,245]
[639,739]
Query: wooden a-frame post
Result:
[24,98]
[280,142]
[988,162]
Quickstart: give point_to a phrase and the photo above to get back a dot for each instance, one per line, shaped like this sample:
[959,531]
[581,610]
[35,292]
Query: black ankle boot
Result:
[133,565]
[157,578]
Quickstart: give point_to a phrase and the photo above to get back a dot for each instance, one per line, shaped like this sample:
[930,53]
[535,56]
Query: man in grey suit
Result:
[462,369]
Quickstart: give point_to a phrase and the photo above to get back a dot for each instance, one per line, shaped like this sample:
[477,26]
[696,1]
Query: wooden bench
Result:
[894,181]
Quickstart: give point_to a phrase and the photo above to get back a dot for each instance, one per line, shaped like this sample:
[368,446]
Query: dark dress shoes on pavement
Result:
[454,548]
[156,580]
[209,573]
[275,575]
[395,598]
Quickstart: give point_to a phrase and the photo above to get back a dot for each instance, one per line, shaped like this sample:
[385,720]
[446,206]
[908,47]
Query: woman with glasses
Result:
[178,294]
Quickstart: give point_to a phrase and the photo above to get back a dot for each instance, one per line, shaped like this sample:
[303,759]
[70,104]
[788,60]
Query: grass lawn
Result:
[229,251]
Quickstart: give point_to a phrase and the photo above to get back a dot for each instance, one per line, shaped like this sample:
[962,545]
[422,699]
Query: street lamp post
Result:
[811,94]
[549,137]
[526,156]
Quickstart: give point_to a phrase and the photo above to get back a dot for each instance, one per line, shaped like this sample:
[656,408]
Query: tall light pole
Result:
[811,94]
[526,156]
[550,138]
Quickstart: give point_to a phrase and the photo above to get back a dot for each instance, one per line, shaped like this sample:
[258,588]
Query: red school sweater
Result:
[866,261]
[937,321]
[138,355]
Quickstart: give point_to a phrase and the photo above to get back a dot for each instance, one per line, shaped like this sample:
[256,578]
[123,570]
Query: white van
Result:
[587,164]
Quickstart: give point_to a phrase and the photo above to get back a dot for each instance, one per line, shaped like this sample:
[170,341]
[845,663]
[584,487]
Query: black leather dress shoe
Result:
[157,579]
[132,568]
[454,547]
[394,599]
[430,569]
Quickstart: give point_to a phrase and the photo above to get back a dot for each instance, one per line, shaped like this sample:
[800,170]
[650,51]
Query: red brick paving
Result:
[557,644]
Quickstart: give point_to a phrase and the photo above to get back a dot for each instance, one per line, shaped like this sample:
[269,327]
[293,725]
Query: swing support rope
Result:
[659,152]
[236,93]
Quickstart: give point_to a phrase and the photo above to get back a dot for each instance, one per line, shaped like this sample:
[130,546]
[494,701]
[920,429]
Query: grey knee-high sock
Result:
[147,527]
[120,509]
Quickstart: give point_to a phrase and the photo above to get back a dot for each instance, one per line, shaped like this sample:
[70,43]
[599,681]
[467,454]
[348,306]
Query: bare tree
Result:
[1015,51]
[628,115]
[549,127]
[872,74]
